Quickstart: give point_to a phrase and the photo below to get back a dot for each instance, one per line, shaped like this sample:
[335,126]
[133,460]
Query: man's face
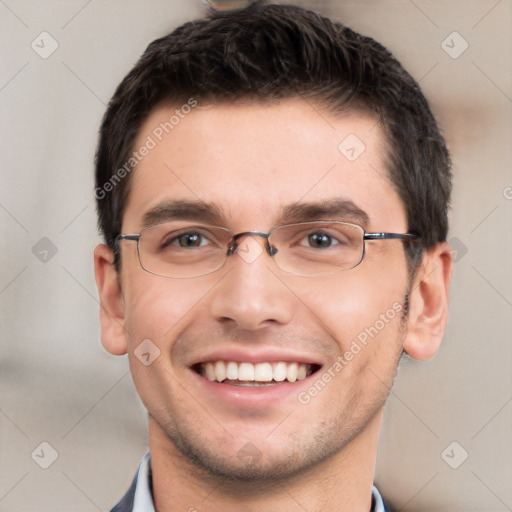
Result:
[251,163]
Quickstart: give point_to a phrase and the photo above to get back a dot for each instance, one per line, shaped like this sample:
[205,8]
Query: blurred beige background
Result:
[447,440]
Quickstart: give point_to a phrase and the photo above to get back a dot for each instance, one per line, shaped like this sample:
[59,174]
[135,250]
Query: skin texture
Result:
[251,161]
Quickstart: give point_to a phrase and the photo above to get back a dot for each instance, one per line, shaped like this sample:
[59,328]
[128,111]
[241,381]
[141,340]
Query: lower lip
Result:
[251,397]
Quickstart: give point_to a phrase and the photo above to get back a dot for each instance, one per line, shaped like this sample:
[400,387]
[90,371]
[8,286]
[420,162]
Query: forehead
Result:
[252,161]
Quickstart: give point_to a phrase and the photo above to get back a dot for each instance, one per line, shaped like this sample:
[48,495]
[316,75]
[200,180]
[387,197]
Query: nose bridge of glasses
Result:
[235,241]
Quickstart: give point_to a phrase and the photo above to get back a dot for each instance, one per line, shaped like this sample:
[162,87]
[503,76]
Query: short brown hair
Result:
[270,52]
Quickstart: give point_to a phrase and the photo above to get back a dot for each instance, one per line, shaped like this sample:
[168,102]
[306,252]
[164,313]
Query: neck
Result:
[343,482]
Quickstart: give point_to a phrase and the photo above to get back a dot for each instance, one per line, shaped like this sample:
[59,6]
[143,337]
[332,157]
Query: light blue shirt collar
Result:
[143,498]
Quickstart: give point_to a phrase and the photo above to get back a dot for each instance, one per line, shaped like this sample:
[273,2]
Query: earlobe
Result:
[113,334]
[428,312]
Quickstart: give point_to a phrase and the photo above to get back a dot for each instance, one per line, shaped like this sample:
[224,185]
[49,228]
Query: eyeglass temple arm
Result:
[133,237]
[128,237]
[390,236]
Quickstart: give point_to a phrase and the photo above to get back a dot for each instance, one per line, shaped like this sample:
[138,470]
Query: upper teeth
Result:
[259,372]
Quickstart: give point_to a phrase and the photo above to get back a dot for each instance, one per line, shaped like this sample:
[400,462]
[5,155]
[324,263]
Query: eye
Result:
[321,240]
[191,240]
[185,240]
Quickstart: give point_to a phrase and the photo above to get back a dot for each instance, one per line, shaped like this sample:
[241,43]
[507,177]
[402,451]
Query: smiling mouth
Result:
[259,374]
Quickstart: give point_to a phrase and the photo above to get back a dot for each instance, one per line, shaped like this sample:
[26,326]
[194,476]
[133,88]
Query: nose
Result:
[235,244]
[251,295]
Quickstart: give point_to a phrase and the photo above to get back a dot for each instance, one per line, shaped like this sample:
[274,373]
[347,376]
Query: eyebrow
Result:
[331,209]
[183,210]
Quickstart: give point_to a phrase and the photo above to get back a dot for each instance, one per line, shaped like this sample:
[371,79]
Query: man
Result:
[272,188]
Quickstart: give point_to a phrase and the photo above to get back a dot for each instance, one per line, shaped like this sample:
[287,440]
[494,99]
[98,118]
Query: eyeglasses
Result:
[179,249]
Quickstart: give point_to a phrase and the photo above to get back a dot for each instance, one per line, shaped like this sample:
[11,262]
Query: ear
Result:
[113,334]
[428,306]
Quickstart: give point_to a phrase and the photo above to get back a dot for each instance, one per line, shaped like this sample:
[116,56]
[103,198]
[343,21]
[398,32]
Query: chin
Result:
[250,464]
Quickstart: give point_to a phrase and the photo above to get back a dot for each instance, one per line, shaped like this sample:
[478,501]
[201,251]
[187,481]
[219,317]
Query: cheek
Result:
[155,307]
[344,297]
[357,306]
[157,311]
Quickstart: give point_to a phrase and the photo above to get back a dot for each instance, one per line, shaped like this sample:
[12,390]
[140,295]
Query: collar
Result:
[143,498]
[143,495]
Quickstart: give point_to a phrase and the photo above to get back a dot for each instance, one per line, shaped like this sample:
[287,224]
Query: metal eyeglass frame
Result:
[271,250]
